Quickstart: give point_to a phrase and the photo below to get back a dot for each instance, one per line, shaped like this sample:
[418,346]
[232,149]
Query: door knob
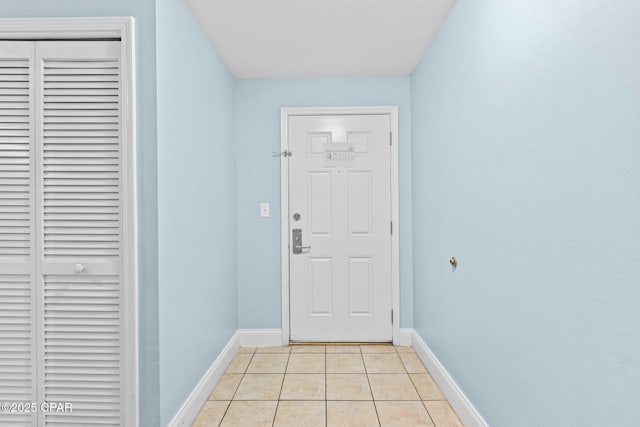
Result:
[78,268]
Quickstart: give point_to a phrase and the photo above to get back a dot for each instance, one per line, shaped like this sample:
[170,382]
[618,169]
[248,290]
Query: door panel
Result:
[359,203]
[360,286]
[320,286]
[17,219]
[80,209]
[320,198]
[339,184]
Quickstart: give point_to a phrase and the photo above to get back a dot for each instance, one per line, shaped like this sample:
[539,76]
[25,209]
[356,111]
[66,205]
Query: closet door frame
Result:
[108,28]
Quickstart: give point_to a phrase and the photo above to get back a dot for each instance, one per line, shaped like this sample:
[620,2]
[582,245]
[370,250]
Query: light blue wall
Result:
[258,104]
[196,205]
[526,167]
[144,13]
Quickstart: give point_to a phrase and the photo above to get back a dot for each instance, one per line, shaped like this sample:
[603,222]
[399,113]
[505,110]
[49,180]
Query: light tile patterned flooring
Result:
[327,386]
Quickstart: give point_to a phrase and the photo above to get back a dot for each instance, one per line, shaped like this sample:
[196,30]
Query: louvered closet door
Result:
[17,257]
[79,178]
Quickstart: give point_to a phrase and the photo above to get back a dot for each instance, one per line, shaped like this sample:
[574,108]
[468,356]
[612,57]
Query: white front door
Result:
[340,227]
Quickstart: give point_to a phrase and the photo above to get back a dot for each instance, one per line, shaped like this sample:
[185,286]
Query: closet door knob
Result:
[78,268]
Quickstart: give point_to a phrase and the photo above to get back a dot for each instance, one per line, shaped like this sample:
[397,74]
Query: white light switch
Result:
[265,211]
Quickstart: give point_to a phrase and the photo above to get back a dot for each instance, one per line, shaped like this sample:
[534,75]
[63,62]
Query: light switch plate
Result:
[265,211]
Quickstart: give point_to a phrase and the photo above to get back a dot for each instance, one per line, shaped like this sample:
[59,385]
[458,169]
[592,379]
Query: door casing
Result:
[285,113]
[107,28]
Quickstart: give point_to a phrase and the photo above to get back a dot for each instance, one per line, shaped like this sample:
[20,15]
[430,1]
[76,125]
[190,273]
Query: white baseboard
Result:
[468,414]
[404,338]
[198,397]
[260,337]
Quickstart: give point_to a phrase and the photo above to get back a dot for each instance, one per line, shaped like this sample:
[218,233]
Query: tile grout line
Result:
[326,409]
[373,399]
[409,375]
[286,368]
[416,388]
[428,413]
[237,387]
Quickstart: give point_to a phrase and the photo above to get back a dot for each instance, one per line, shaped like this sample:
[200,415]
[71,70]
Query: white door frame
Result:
[285,113]
[122,28]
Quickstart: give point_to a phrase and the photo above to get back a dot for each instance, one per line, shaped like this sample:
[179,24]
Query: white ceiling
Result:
[320,38]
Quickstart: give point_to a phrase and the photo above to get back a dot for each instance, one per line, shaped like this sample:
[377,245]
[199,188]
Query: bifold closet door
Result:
[61,206]
[17,232]
[79,209]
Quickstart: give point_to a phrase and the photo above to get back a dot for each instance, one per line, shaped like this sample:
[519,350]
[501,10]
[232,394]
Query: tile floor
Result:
[327,386]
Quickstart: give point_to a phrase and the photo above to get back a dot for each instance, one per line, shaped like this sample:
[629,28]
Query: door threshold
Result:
[295,343]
